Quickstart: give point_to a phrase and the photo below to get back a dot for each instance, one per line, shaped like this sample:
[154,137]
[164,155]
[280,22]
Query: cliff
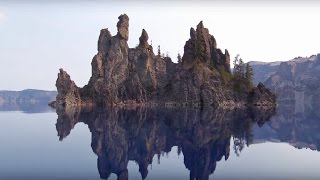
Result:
[263,70]
[296,81]
[136,76]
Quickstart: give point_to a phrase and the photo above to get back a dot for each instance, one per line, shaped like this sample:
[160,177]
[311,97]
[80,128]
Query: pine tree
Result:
[179,58]
[159,52]
[249,75]
[241,68]
[236,65]
[242,75]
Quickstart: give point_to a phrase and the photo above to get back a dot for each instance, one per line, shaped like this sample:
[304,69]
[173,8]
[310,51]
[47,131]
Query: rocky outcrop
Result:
[136,76]
[68,92]
[202,47]
[261,96]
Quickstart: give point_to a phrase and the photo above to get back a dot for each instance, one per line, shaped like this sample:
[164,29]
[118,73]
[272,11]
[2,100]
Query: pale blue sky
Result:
[36,39]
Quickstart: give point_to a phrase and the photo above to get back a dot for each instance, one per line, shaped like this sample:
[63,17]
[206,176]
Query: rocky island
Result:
[123,76]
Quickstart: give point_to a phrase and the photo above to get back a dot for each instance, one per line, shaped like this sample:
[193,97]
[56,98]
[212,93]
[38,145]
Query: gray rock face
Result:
[136,76]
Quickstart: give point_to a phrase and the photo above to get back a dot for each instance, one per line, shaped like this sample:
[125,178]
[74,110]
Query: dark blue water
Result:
[160,144]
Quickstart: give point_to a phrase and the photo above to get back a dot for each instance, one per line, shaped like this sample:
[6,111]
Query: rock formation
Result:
[136,76]
[202,47]
[68,92]
[262,96]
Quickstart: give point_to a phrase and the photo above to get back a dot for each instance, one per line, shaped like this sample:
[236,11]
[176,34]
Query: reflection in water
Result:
[38,107]
[298,125]
[122,135]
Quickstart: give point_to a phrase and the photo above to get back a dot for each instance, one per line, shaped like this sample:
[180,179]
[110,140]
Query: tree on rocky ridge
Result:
[179,58]
[249,75]
[167,54]
[242,75]
[159,52]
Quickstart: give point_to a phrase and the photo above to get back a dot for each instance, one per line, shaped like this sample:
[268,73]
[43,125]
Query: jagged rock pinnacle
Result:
[123,26]
[103,42]
[192,34]
[200,25]
[143,40]
[68,92]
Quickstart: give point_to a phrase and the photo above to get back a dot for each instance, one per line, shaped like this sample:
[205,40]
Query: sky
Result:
[39,37]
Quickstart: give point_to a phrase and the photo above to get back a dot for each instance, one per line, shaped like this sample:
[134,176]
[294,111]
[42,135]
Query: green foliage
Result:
[179,58]
[226,76]
[159,51]
[249,76]
[242,75]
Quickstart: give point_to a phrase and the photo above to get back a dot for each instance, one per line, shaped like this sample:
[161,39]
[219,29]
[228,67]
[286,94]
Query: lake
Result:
[158,143]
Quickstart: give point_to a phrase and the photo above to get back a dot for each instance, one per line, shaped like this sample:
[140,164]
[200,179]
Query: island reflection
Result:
[138,134]
[294,123]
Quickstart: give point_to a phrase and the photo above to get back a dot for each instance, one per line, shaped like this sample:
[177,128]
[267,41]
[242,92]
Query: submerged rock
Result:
[136,76]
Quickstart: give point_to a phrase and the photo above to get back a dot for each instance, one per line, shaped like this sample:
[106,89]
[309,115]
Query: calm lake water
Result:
[160,144]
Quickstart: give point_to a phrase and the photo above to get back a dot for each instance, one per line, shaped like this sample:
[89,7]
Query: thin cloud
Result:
[3,17]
